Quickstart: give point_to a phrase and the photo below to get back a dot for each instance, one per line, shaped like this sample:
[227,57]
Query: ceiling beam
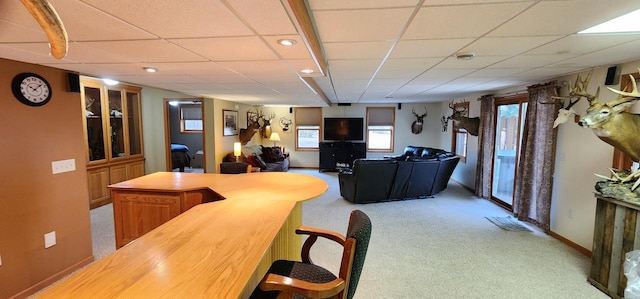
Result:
[302,22]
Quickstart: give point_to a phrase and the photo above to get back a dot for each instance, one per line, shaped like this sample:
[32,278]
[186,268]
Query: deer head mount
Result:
[460,112]
[416,126]
[253,126]
[285,123]
[610,122]
[265,128]
[575,92]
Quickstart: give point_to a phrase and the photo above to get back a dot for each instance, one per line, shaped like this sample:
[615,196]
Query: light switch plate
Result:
[49,239]
[63,166]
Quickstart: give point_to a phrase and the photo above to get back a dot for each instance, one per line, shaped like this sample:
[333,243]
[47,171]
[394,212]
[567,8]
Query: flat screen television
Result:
[343,129]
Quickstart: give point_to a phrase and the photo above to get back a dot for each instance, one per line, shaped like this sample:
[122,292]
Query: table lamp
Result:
[275,138]
[236,150]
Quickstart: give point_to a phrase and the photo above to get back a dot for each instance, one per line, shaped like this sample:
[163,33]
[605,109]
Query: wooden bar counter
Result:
[218,249]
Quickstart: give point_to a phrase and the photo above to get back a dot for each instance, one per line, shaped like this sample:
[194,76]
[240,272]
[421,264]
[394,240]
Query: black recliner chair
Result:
[368,180]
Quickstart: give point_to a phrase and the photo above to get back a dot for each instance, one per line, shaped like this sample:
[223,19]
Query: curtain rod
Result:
[517,92]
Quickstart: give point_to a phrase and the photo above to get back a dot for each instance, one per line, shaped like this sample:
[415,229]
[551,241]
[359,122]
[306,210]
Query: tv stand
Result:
[336,155]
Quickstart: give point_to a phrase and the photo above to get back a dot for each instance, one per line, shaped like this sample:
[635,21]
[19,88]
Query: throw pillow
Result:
[260,162]
[252,161]
[271,154]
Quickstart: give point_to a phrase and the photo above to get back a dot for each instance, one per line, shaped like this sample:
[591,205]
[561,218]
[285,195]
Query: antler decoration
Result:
[48,19]
[577,92]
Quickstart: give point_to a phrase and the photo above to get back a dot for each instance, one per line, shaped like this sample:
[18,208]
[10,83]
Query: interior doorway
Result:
[184,135]
[510,115]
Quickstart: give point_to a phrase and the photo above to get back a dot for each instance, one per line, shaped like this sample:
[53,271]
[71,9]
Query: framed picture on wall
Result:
[230,119]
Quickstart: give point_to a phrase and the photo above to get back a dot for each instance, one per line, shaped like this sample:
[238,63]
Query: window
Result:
[308,123]
[380,124]
[459,138]
[191,118]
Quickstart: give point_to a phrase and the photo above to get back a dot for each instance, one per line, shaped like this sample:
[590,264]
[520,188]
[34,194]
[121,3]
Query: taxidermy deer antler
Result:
[577,91]
[48,19]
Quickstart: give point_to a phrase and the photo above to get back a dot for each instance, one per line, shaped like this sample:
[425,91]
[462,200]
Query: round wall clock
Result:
[31,89]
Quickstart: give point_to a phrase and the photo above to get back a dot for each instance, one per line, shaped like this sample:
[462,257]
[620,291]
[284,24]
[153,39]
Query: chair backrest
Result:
[359,230]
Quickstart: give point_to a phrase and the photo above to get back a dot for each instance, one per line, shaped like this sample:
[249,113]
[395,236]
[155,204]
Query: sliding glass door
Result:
[509,124]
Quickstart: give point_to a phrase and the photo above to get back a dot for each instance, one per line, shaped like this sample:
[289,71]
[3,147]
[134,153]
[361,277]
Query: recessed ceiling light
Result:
[110,82]
[624,23]
[307,71]
[150,69]
[465,56]
[287,42]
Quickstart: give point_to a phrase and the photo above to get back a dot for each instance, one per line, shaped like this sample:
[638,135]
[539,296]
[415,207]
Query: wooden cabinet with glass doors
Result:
[113,136]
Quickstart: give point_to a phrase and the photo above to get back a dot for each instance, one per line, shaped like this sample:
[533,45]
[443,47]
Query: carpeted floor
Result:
[440,247]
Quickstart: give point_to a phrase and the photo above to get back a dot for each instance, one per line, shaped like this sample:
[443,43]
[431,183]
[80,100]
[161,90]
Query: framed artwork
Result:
[230,118]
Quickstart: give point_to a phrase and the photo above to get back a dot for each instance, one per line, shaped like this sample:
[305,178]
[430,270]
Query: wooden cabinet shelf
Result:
[113,136]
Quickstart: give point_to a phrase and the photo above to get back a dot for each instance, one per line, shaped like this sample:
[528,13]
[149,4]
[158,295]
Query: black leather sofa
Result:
[410,176]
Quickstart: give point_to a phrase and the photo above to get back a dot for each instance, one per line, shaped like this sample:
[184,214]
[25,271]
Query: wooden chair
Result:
[291,279]
[234,167]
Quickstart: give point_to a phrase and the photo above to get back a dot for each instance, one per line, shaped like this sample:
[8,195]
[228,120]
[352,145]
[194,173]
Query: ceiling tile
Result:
[362,25]
[146,51]
[428,48]
[228,48]
[461,21]
[563,17]
[361,50]
[266,17]
[173,19]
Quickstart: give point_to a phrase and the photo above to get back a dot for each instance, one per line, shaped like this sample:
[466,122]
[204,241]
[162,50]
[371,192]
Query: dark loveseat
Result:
[263,157]
[397,177]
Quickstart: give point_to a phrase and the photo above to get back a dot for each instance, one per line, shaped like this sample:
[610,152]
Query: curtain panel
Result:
[486,144]
[532,200]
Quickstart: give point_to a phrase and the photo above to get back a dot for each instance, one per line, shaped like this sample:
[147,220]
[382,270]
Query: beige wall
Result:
[33,201]
[579,154]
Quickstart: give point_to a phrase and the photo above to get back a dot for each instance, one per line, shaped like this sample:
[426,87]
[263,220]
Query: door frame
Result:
[167,131]
[507,100]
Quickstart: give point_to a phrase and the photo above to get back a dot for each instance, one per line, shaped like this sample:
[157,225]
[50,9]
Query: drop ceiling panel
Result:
[86,23]
[361,25]
[266,17]
[429,48]
[461,21]
[358,4]
[406,68]
[172,19]
[563,17]
[228,48]
[202,68]
[583,44]
[146,51]
[360,50]
[475,63]
[263,67]
[297,51]
[507,46]
[12,33]
[531,61]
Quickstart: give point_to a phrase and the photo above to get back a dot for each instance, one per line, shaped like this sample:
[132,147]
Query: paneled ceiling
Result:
[368,51]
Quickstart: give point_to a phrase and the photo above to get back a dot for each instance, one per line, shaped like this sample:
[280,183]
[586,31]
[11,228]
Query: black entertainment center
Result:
[336,155]
[343,143]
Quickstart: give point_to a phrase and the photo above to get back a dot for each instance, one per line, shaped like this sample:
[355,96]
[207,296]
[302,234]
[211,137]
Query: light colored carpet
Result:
[508,223]
[440,247]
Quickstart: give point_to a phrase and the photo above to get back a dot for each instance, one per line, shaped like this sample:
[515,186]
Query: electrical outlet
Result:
[570,214]
[49,239]
[63,166]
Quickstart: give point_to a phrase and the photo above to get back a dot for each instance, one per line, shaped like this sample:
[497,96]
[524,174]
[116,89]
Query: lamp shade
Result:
[236,149]
[274,137]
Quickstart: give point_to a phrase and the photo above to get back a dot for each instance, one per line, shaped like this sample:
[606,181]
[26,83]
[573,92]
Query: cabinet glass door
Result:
[93,112]
[133,118]
[116,123]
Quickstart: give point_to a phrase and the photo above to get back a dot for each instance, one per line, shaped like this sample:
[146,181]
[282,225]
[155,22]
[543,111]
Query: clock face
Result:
[31,89]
